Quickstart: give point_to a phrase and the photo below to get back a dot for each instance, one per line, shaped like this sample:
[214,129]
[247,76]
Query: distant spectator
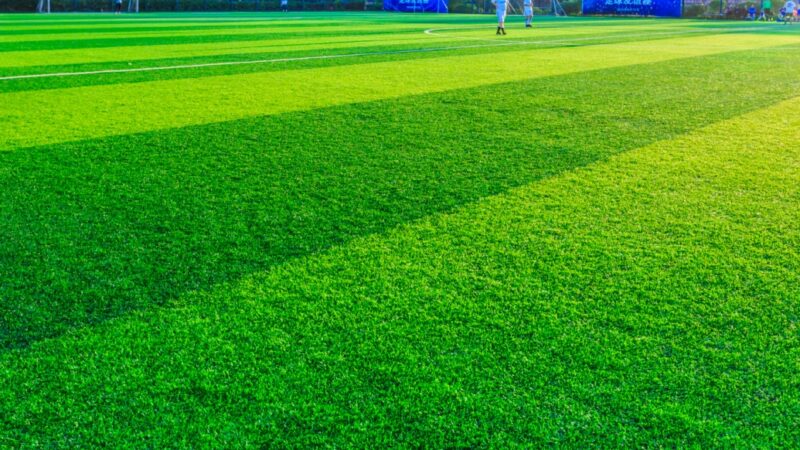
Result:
[788,11]
[766,10]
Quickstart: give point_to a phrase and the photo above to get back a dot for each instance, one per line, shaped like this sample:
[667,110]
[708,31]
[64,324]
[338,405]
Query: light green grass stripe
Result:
[652,299]
[35,118]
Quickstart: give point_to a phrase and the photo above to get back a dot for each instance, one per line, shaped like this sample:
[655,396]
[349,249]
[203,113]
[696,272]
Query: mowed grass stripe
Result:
[234,17]
[149,17]
[457,44]
[230,64]
[112,25]
[139,53]
[112,30]
[96,229]
[306,25]
[652,299]
[179,37]
[168,104]
[311,41]
[96,74]
[168,30]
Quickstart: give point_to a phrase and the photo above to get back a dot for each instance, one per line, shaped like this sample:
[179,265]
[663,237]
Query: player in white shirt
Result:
[501,6]
[790,7]
[527,7]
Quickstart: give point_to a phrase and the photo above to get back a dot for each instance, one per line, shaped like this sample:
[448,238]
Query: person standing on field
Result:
[285,5]
[527,7]
[117,6]
[501,6]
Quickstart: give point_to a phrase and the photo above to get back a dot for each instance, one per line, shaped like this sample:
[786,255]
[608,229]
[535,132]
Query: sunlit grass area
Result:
[370,230]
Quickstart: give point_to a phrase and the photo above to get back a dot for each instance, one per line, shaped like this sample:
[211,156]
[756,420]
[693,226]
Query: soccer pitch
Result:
[368,230]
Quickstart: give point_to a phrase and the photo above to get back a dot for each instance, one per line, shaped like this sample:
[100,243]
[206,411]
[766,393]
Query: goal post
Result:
[541,7]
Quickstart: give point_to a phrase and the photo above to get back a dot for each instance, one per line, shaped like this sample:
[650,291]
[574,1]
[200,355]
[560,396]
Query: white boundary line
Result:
[236,63]
[437,32]
[430,32]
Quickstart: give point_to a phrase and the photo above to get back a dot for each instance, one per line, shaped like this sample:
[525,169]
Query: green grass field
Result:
[370,230]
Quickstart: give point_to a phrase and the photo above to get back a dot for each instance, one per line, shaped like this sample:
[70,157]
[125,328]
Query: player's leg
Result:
[500,19]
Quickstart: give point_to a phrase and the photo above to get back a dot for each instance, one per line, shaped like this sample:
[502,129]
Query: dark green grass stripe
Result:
[94,229]
[302,21]
[278,30]
[200,72]
[629,34]
[108,29]
[175,17]
[379,19]
[648,301]
[33,20]
[267,34]
[395,24]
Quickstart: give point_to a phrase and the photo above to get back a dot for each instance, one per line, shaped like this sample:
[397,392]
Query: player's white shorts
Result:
[501,11]
[528,11]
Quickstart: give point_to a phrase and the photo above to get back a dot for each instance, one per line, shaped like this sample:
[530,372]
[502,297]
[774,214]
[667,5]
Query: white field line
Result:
[437,32]
[430,32]
[239,63]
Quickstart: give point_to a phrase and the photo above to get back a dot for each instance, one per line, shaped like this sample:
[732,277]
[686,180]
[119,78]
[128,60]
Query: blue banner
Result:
[660,8]
[437,6]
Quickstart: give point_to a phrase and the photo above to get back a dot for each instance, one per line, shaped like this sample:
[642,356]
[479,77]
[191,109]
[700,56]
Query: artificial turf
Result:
[586,238]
